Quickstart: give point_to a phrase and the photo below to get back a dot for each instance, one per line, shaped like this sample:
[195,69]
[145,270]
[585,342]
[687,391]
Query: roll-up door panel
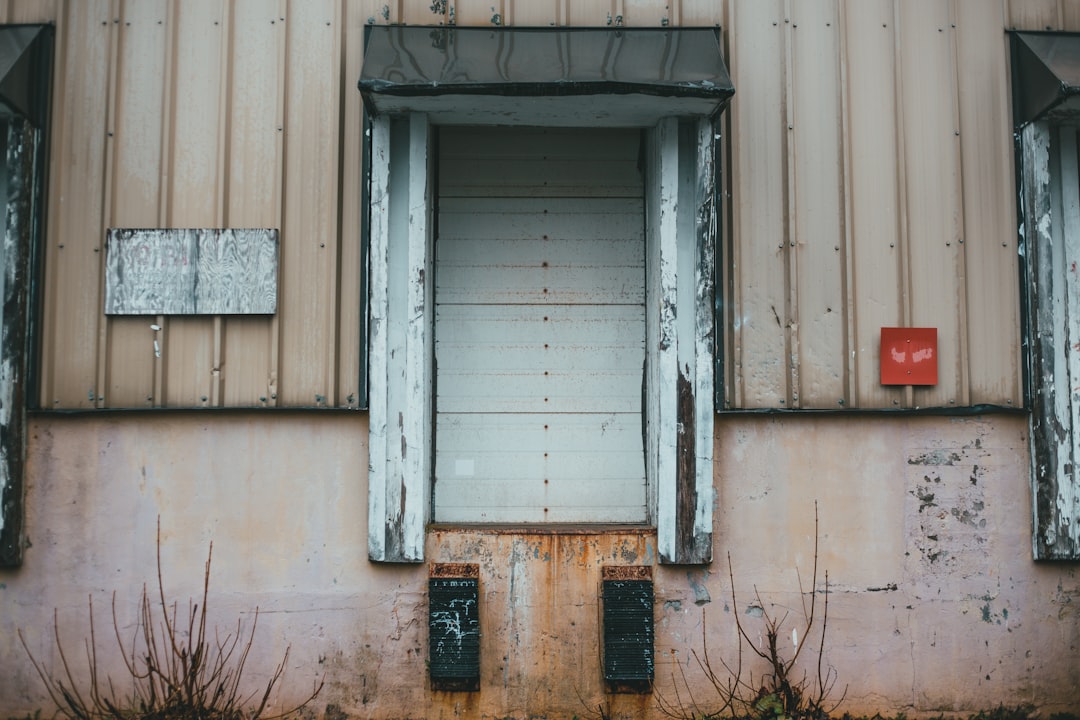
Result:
[540,327]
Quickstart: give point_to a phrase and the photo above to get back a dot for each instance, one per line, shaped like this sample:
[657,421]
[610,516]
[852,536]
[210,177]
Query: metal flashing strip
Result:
[544,76]
[1046,77]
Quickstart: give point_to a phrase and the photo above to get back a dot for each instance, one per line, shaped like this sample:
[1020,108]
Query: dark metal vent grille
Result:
[628,631]
[454,633]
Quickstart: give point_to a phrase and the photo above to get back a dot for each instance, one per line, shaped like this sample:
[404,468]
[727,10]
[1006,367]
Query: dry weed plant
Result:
[780,691]
[177,671]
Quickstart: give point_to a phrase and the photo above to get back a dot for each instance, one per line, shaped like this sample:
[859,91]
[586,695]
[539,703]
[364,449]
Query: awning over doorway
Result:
[25,51]
[1045,76]
[544,76]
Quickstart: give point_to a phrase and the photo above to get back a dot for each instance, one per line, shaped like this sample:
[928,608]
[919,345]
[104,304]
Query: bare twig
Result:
[778,691]
[176,674]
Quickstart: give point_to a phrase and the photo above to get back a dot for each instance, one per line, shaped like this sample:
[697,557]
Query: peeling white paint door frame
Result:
[400,345]
[1050,207]
[680,252]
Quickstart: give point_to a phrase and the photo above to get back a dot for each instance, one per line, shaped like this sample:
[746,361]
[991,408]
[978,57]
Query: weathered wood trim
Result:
[20,154]
[1056,530]
[1067,502]
[400,339]
[682,399]
[700,247]
[378,426]
[663,347]
[416,440]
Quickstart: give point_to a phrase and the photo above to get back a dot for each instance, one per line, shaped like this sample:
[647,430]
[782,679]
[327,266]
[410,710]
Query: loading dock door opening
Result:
[539,326]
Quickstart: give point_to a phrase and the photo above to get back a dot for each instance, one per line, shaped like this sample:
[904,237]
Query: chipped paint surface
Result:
[934,602]
[681,234]
[19,156]
[401,340]
[193,271]
[1054,296]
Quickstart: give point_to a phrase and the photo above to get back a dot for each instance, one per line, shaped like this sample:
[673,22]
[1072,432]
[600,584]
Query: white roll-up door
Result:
[539,326]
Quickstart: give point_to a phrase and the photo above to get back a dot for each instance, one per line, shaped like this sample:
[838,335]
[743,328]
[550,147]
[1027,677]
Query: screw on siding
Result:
[262,398]
[203,398]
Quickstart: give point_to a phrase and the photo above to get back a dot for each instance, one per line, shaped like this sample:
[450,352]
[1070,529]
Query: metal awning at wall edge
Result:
[544,76]
[24,58]
[1045,76]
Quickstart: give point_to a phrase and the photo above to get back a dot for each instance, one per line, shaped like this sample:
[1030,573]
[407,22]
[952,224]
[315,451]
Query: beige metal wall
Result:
[868,163]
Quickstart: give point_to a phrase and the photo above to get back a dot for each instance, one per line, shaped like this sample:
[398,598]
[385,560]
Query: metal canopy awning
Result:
[544,76]
[1045,76]
[25,52]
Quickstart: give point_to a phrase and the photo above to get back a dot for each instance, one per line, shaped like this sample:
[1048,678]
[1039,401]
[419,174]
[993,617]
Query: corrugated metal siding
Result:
[204,114]
[849,210]
[865,141]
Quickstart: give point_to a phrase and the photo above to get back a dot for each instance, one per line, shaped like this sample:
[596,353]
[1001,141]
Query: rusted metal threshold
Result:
[547,529]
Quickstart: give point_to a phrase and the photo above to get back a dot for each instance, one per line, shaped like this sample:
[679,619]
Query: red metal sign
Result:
[909,356]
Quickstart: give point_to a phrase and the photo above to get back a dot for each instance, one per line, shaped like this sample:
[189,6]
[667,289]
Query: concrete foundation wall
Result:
[935,603]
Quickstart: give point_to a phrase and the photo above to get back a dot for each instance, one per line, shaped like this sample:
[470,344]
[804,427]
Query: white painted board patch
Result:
[193,271]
